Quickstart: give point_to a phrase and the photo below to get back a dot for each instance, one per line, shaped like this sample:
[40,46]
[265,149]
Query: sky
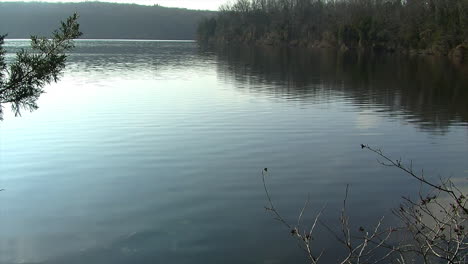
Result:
[190,4]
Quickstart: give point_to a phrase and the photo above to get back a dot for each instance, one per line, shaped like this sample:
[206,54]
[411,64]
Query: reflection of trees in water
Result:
[131,58]
[428,91]
[125,58]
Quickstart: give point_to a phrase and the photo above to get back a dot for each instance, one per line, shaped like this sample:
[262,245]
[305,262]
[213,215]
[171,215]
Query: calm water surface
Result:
[151,152]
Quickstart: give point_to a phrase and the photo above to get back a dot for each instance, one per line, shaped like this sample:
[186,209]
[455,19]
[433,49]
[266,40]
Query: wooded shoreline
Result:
[433,27]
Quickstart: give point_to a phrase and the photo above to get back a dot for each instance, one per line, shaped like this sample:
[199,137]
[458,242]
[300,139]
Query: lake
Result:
[152,151]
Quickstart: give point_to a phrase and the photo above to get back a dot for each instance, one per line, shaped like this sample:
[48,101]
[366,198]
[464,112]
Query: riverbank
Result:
[436,27]
[457,54]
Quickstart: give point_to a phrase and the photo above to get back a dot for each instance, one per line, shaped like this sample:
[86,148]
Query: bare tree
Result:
[432,227]
[436,219]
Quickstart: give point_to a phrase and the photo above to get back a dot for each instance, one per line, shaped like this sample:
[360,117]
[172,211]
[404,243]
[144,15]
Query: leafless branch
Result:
[433,225]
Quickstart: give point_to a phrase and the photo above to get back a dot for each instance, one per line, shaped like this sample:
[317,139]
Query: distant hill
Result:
[101,20]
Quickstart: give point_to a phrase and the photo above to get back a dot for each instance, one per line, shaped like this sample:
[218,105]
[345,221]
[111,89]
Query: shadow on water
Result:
[429,91]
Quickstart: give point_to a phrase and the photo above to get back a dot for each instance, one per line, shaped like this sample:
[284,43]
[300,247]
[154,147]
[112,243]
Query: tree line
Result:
[430,26]
[101,20]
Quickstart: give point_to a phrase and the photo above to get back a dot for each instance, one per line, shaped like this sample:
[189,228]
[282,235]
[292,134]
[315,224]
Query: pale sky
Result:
[191,4]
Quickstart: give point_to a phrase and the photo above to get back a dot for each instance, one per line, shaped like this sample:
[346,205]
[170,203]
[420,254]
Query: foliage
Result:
[432,226]
[434,25]
[22,82]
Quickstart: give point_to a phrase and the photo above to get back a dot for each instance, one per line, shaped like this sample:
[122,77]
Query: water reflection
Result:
[128,60]
[428,91]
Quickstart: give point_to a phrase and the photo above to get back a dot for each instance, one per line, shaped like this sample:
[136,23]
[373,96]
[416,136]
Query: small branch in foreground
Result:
[433,231]
[446,187]
[437,226]
[303,236]
[360,249]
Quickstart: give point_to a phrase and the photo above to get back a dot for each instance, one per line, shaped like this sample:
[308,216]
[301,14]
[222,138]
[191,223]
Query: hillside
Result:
[101,20]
